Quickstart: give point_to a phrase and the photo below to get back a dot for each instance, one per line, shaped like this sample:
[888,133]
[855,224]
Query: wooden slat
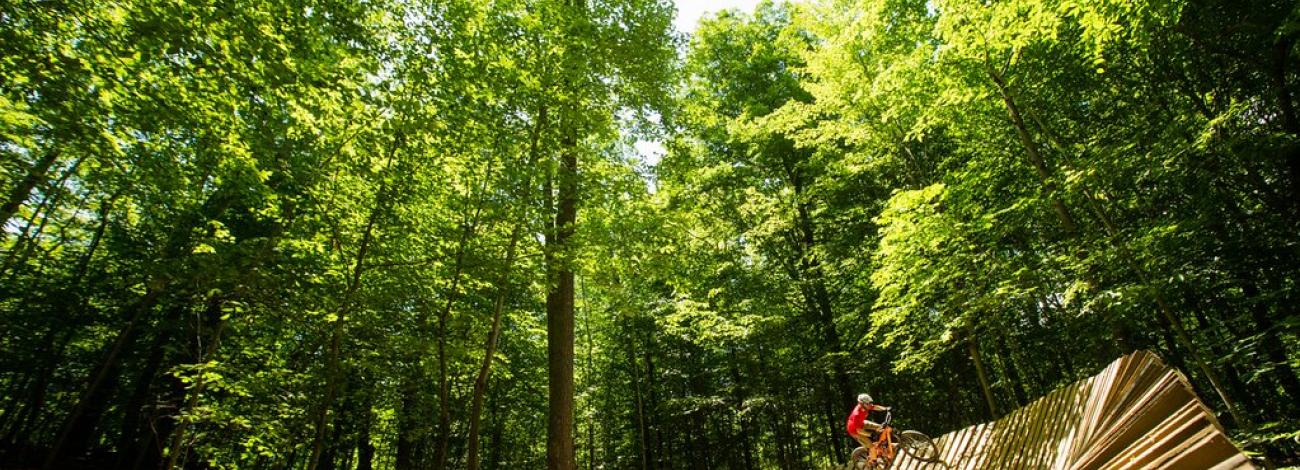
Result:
[1136,413]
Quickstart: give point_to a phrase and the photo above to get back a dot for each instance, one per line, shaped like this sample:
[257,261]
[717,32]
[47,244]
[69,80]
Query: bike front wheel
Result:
[919,446]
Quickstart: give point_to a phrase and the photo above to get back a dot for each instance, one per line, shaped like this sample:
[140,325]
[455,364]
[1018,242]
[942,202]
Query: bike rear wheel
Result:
[919,446]
[860,460]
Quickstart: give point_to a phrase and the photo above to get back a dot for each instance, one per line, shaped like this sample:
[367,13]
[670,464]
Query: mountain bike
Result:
[880,455]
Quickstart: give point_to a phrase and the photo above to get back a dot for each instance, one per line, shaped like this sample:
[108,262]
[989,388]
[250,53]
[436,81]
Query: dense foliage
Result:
[408,234]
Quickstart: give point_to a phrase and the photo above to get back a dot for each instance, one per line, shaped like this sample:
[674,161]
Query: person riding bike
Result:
[859,426]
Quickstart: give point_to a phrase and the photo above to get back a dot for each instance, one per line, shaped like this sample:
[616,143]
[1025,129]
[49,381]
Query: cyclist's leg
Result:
[868,434]
[870,427]
[863,437]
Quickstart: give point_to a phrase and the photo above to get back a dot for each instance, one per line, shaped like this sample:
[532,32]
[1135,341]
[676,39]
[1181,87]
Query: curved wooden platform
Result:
[1138,413]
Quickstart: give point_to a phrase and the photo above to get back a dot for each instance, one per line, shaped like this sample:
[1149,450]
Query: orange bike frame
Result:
[884,446]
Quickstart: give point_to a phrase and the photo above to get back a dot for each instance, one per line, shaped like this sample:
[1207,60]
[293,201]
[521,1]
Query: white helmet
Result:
[865,399]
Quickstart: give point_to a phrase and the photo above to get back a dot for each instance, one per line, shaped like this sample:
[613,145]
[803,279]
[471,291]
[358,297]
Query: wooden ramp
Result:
[1138,413]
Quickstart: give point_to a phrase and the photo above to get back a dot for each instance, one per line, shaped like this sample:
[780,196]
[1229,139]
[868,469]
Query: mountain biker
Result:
[858,425]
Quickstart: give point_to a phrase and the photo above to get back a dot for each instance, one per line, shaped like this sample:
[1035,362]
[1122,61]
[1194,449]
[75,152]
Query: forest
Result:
[420,234]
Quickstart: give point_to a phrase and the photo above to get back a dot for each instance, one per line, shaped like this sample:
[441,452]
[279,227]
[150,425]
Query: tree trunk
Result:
[83,418]
[329,457]
[196,392]
[20,193]
[128,444]
[1219,348]
[1290,121]
[26,244]
[409,415]
[336,337]
[494,451]
[587,372]
[444,395]
[838,391]
[366,449]
[652,393]
[1270,341]
[1005,361]
[81,422]
[489,350]
[21,246]
[954,393]
[37,391]
[832,425]
[559,313]
[83,263]
[1035,157]
[72,296]
[1181,333]
[806,273]
[642,430]
[1113,236]
[979,370]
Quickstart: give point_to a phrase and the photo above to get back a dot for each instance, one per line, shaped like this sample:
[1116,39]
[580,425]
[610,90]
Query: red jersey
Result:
[858,417]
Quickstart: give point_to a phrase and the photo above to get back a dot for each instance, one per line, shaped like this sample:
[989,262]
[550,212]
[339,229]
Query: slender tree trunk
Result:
[331,391]
[1290,120]
[81,422]
[1113,236]
[1173,321]
[26,244]
[329,457]
[494,450]
[1270,342]
[84,416]
[23,190]
[196,392]
[1035,157]
[642,430]
[74,296]
[83,263]
[172,432]
[503,292]
[409,416]
[559,313]
[21,381]
[744,435]
[1016,382]
[832,425]
[1219,348]
[954,393]
[489,349]
[1197,360]
[979,370]
[20,247]
[786,442]
[23,386]
[838,391]
[37,391]
[336,336]
[587,372]
[652,393]
[503,288]
[693,453]
[366,449]
[129,445]
[1167,311]
[444,393]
